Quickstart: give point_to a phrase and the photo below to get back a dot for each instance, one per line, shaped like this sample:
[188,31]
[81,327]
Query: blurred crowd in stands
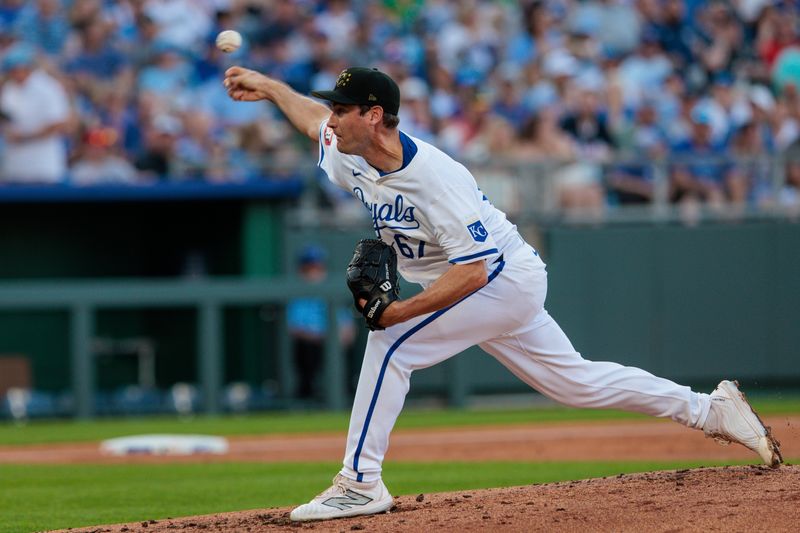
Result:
[129,91]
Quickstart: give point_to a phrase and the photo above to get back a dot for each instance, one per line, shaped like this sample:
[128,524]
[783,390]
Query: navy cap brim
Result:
[335,97]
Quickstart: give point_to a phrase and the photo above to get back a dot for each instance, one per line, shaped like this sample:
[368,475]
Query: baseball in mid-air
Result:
[229,41]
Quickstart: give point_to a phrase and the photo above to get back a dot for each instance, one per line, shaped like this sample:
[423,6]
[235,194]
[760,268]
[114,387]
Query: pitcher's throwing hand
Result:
[244,84]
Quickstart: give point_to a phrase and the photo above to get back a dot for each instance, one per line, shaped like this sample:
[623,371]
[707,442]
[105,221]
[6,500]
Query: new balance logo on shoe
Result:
[350,499]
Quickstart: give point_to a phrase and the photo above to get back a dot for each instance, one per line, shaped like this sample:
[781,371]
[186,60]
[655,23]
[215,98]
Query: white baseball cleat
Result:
[732,419]
[345,498]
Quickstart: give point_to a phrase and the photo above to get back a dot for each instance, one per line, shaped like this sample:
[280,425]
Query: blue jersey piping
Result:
[409,151]
[474,256]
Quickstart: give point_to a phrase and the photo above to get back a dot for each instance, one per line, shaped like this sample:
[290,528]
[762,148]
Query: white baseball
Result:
[229,41]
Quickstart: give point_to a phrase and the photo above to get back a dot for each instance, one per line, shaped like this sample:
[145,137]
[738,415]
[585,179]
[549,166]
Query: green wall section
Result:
[262,240]
[251,331]
[687,303]
[42,336]
[134,239]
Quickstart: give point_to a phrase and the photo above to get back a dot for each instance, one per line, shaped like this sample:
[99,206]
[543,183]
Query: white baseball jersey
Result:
[430,210]
[34,104]
[433,213]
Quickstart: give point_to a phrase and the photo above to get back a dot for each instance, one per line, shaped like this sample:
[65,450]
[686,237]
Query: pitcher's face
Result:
[352,129]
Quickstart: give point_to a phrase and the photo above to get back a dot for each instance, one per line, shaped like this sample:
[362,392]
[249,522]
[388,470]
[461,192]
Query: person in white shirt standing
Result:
[483,284]
[36,113]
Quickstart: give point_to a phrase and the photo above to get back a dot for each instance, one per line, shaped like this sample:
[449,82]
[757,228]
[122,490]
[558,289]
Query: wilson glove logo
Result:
[386,286]
[371,312]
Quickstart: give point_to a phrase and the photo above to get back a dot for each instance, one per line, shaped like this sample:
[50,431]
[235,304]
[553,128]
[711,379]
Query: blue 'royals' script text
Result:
[389,216]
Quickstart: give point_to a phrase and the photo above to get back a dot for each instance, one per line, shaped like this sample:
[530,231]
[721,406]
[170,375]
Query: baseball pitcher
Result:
[483,284]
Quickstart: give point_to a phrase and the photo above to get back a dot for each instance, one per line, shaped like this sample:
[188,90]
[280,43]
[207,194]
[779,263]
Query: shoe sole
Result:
[380,507]
[771,443]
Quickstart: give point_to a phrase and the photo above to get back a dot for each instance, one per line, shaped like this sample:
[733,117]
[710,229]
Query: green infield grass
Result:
[42,432]
[43,497]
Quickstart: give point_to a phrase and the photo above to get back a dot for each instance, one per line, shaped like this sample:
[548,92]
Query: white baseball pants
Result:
[507,319]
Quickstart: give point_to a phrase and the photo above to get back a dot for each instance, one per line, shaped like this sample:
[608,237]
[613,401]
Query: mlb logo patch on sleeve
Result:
[477,231]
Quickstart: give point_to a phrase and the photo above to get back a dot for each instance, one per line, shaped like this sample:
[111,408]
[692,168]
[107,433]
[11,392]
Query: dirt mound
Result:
[741,498]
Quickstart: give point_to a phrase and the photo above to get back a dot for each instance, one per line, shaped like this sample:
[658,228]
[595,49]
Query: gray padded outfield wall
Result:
[700,303]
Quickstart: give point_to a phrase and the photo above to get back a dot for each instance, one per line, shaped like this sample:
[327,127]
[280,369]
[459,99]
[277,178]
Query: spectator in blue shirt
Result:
[307,320]
[702,170]
[632,180]
[98,56]
[169,75]
[44,24]
[508,103]
[675,35]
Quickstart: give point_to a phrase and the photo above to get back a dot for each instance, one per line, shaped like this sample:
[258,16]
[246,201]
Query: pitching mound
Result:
[741,498]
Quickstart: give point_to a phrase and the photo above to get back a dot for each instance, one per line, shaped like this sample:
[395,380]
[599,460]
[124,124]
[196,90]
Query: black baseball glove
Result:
[372,275]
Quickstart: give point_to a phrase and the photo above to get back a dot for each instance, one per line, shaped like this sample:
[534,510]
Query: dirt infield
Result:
[594,441]
[743,498]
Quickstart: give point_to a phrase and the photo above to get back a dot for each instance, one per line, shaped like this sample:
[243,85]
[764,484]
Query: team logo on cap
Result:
[372,98]
[343,79]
